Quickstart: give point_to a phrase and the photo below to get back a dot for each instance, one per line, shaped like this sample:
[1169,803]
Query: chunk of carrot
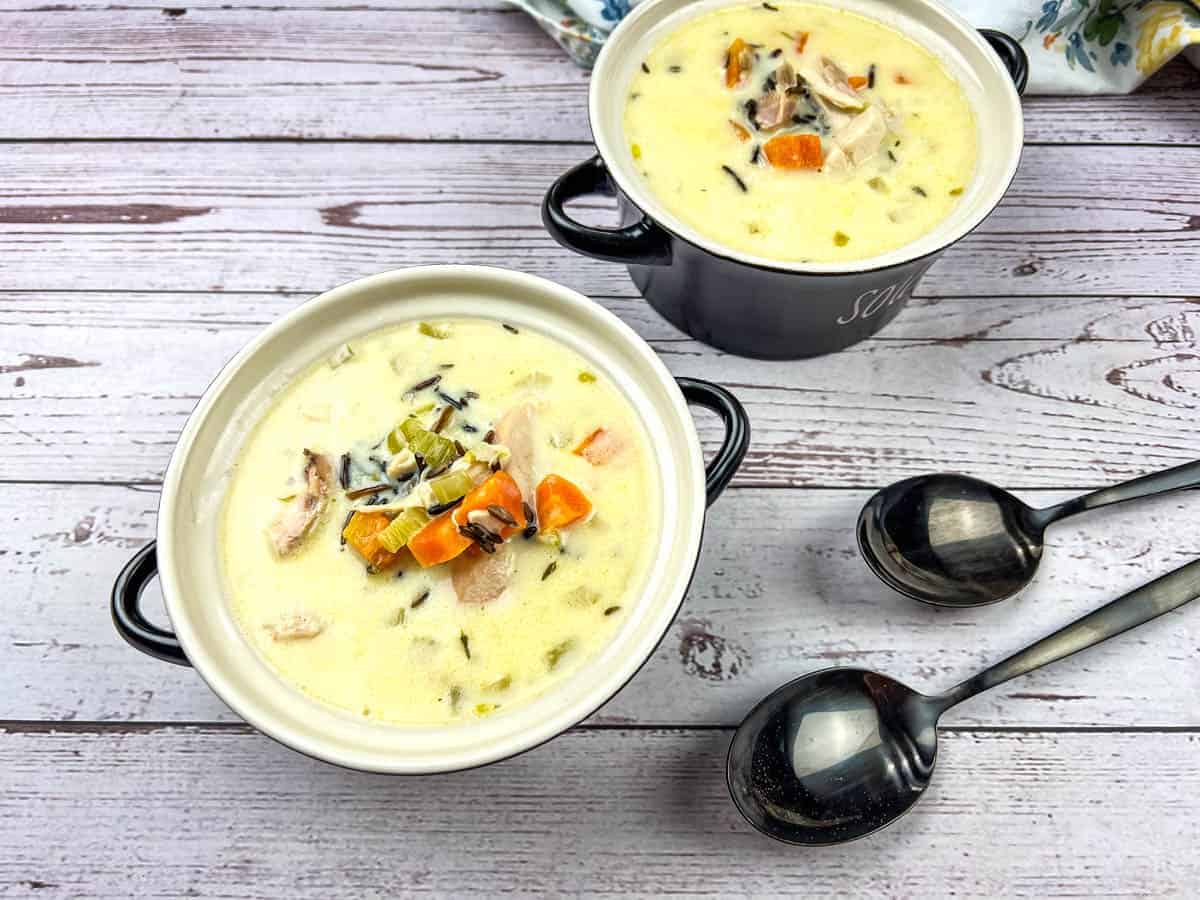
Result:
[742,133]
[599,447]
[733,62]
[801,41]
[858,82]
[361,533]
[440,540]
[559,503]
[794,151]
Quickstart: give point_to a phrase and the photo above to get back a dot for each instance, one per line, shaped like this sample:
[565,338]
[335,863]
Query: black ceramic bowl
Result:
[754,306]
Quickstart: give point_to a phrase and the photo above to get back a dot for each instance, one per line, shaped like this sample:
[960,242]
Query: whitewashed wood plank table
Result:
[172,179]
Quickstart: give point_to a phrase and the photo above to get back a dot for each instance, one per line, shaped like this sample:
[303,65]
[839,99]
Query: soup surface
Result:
[798,132]
[439,522]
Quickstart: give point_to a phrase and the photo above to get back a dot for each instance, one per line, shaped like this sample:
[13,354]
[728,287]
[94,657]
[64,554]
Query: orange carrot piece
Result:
[440,541]
[361,534]
[599,447]
[901,78]
[801,41]
[733,62]
[742,133]
[858,82]
[794,151]
[559,503]
[499,490]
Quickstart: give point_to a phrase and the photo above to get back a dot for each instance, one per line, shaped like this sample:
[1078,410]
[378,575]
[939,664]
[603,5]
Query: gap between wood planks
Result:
[73,726]
[474,142]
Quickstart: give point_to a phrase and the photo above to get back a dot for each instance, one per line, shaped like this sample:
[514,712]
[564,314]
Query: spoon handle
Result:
[1135,608]
[1176,479]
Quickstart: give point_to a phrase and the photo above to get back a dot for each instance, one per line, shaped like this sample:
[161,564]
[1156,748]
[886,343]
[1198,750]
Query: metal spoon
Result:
[952,540]
[839,753]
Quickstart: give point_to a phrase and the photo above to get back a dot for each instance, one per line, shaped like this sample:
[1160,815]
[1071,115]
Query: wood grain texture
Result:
[1031,393]
[780,590]
[600,813]
[304,217]
[398,70]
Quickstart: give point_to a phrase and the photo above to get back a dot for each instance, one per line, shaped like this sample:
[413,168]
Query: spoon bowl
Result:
[833,756]
[953,540]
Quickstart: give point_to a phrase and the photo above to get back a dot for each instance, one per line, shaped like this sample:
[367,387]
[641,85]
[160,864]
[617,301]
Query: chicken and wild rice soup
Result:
[439,522]
[799,132]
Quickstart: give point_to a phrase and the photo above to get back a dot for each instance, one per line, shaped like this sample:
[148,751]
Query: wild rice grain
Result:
[422,385]
[366,491]
[443,419]
[645,68]
[466,643]
[421,599]
[446,398]
[549,570]
[738,181]
[508,327]
[344,476]
[611,610]
[502,514]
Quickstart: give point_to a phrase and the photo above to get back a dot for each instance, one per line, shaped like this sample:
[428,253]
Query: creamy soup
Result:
[799,132]
[439,522]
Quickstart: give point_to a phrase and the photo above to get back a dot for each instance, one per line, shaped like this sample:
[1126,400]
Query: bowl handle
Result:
[1012,54]
[127,616]
[642,243]
[724,464]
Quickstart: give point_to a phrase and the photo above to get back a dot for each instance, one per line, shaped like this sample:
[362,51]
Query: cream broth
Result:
[486,631]
[799,132]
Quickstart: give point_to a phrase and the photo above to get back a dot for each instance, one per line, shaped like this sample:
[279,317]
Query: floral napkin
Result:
[1074,46]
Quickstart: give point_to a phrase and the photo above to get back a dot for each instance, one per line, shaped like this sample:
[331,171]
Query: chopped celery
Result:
[436,450]
[500,684]
[402,528]
[586,377]
[438,332]
[583,596]
[451,487]
[483,709]
[555,653]
[396,441]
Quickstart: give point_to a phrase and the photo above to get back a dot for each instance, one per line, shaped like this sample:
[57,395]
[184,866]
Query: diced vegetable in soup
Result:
[439,522]
[799,132]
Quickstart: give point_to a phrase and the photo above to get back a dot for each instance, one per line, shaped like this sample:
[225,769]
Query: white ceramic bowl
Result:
[205,634]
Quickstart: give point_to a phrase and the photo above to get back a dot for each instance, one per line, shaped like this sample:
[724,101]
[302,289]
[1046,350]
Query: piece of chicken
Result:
[304,510]
[775,107]
[862,135]
[515,430]
[296,627]
[483,577]
[826,79]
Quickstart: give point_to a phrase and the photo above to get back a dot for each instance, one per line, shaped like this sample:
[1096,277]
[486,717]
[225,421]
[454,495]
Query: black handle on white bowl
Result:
[642,243]
[721,469]
[1012,54]
[127,615]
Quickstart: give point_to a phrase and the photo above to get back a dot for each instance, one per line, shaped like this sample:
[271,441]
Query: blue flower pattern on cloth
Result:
[615,10]
[1074,46]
